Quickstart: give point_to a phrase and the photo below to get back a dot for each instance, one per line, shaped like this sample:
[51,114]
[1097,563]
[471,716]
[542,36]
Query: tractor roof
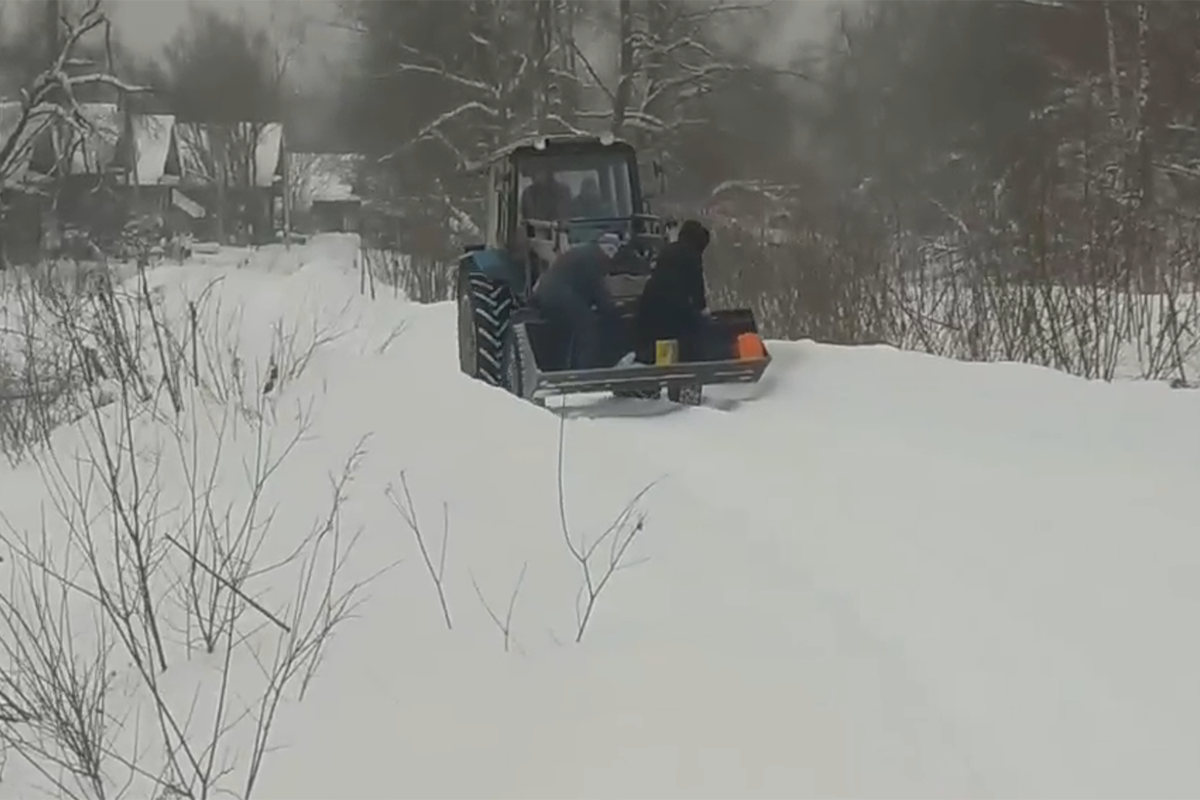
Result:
[554,143]
[560,143]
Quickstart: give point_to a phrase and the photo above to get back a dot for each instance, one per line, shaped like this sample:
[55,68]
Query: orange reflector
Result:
[750,347]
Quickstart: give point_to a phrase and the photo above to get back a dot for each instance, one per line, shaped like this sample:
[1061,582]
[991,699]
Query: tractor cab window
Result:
[580,185]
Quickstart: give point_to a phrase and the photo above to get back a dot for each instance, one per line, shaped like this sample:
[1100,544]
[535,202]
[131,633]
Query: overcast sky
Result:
[148,24]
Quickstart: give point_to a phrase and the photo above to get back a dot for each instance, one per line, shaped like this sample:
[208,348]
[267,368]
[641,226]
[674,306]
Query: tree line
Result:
[939,116]
[943,114]
[894,178]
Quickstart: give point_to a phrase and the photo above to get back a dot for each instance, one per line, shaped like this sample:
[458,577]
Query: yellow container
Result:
[666,351]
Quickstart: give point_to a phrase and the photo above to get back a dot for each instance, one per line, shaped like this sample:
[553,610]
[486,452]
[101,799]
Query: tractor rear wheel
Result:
[513,363]
[484,307]
[516,370]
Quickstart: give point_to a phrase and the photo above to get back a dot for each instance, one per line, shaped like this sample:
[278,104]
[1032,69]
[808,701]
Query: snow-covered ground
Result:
[874,574]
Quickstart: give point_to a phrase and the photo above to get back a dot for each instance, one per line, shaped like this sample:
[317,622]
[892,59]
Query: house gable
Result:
[153,140]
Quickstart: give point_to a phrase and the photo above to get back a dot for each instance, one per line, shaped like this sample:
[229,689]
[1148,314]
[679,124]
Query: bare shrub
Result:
[45,360]
[1068,289]
[422,278]
[403,503]
[128,577]
[202,346]
[113,579]
[293,348]
[505,625]
[67,344]
[820,270]
[223,537]
[599,557]
[35,374]
[389,267]
[55,686]
[597,565]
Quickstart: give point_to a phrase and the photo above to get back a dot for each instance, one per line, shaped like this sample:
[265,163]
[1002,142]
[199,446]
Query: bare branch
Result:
[407,510]
[505,625]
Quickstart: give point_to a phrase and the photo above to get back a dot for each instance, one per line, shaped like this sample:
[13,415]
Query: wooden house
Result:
[94,178]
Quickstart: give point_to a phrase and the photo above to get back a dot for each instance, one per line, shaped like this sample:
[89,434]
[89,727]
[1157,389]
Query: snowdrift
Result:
[876,573]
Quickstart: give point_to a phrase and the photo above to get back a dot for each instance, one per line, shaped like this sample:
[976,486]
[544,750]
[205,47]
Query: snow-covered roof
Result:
[152,136]
[545,141]
[267,152]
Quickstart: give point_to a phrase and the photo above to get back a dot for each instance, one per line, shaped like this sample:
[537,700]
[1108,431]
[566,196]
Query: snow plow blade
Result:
[642,376]
[537,384]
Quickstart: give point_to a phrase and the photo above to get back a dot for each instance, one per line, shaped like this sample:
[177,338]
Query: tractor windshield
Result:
[576,185]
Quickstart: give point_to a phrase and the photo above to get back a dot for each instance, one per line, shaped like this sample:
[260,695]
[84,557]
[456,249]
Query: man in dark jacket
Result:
[574,297]
[546,198]
[674,302]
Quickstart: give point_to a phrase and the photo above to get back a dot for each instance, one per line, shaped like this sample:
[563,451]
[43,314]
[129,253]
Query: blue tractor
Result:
[504,341]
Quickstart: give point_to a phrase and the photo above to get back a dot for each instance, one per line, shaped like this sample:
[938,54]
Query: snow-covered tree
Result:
[50,101]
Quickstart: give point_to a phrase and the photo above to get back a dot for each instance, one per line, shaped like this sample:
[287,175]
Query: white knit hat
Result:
[609,243]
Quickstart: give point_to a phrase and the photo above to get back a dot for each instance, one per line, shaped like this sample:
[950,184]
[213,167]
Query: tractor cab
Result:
[595,184]
[554,193]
